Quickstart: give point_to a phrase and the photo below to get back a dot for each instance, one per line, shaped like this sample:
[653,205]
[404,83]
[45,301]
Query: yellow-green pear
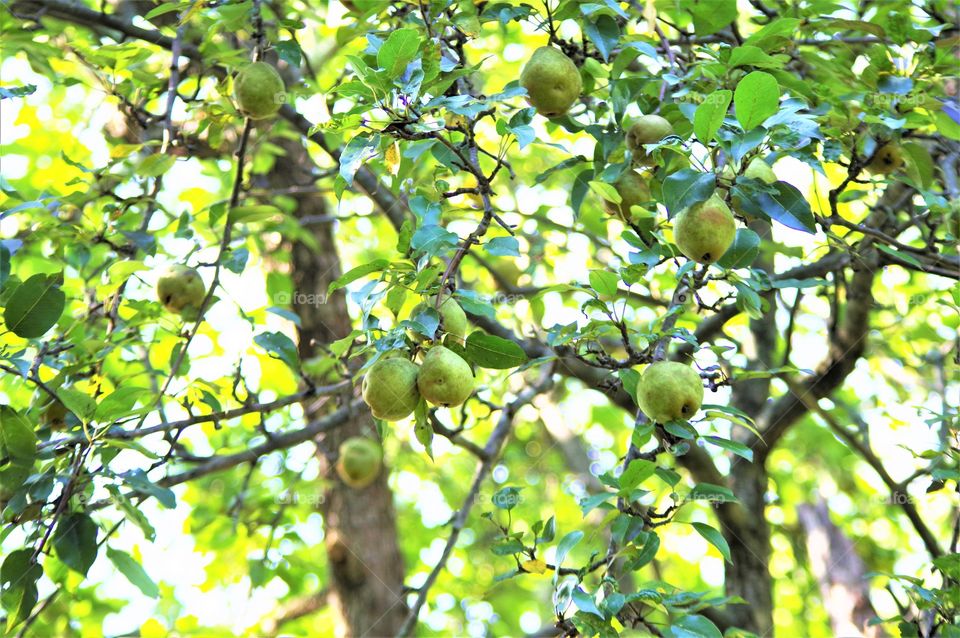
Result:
[758,169]
[648,129]
[181,290]
[359,461]
[259,91]
[704,232]
[886,160]
[668,390]
[552,81]
[633,190]
[453,321]
[390,388]
[445,378]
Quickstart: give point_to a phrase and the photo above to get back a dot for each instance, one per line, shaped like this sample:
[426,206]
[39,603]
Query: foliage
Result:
[823,334]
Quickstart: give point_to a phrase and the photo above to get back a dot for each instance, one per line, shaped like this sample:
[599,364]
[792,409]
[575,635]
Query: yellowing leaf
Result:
[535,566]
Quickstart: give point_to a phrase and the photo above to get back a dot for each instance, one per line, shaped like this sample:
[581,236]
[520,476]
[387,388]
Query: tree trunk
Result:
[749,574]
[365,565]
[840,572]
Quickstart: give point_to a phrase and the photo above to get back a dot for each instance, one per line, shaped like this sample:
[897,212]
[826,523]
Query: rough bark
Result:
[365,574]
[840,573]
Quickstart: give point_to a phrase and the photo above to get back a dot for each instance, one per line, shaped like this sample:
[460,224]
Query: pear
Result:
[704,231]
[259,91]
[886,160]
[758,169]
[390,388]
[633,190]
[453,321]
[552,81]
[445,378]
[181,290]
[668,390]
[648,129]
[359,461]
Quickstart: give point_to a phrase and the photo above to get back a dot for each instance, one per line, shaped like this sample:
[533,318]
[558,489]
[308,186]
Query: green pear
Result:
[886,160]
[552,81]
[390,388]
[259,91]
[633,190]
[359,461]
[181,290]
[445,378]
[648,129]
[704,232]
[758,169]
[668,390]
[453,321]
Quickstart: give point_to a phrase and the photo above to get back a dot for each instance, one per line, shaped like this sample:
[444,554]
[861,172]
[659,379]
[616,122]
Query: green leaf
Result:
[253,213]
[357,150]
[134,572]
[715,538]
[711,493]
[710,16]
[34,307]
[919,164]
[752,56]
[507,498]
[743,250]
[138,481]
[757,97]
[280,346]
[422,429]
[636,473]
[4,264]
[692,626]
[75,541]
[604,33]
[155,165]
[17,439]
[685,188]
[489,351]
[584,603]
[568,542]
[787,206]
[131,512]
[604,282]
[18,580]
[710,114]
[737,448]
[398,51]
[503,247]
[377,265]
[119,403]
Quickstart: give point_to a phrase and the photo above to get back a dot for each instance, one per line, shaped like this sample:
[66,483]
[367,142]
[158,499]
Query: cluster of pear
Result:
[258,90]
[393,386]
[668,390]
[631,186]
[359,461]
[181,290]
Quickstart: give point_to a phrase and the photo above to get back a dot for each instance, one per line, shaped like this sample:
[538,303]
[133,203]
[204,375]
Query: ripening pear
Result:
[390,388]
[633,190]
[648,129]
[181,290]
[359,461]
[759,169]
[668,390]
[259,91]
[552,81]
[887,159]
[704,231]
[445,378]
[453,321]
